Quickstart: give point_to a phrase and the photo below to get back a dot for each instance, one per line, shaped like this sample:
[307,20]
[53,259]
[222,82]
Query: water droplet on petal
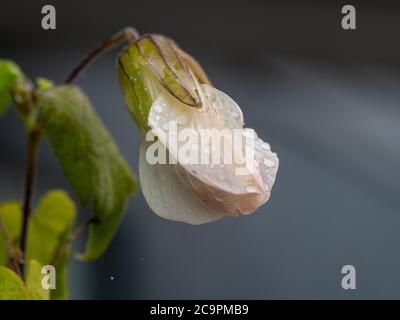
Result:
[158,108]
[219,195]
[265,146]
[212,98]
[166,126]
[269,163]
[235,116]
[251,189]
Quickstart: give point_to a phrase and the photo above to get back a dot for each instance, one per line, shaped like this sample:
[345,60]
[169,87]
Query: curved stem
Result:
[33,143]
[127,34]
[71,238]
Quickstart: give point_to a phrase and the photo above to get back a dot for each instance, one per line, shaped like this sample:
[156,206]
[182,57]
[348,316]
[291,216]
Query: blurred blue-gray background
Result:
[328,102]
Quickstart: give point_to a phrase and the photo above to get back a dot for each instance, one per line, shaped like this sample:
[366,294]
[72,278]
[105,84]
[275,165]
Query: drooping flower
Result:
[229,170]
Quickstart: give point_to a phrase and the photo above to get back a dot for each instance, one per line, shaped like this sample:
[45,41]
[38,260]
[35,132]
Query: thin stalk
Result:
[33,143]
[127,34]
[71,238]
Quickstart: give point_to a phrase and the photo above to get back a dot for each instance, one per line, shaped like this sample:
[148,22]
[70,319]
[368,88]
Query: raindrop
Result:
[111,278]
[166,126]
[269,163]
[158,108]
[219,196]
[265,146]
[235,116]
[251,189]
[212,98]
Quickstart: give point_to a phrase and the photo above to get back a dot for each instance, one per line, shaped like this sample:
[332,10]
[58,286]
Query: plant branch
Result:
[9,246]
[127,34]
[71,238]
[33,143]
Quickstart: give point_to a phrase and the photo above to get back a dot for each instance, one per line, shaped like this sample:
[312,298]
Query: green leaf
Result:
[49,227]
[9,71]
[11,216]
[51,221]
[34,288]
[90,160]
[61,292]
[11,285]
[13,288]
[44,83]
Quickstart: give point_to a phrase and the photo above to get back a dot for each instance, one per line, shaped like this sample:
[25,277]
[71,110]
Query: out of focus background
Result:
[326,99]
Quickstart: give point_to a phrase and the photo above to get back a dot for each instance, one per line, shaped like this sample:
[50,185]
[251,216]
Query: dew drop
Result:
[251,189]
[269,163]
[235,116]
[158,108]
[219,196]
[166,126]
[265,146]
[212,98]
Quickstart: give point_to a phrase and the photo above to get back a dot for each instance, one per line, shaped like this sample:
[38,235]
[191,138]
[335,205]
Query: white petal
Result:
[166,109]
[219,186]
[165,190]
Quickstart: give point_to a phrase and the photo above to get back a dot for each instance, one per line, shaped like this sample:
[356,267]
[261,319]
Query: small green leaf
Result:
[49,227]
[11,216]
[51,221]
[90,160]
[13,288]
[61,292]
[34,288]
[44,83]
[11,285]
[9,71]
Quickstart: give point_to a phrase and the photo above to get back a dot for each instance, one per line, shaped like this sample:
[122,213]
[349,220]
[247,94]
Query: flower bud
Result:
[163,86]
[150,63]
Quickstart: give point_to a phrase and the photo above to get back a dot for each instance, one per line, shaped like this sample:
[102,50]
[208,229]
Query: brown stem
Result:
[127,34]
[71,238]
[33,143]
